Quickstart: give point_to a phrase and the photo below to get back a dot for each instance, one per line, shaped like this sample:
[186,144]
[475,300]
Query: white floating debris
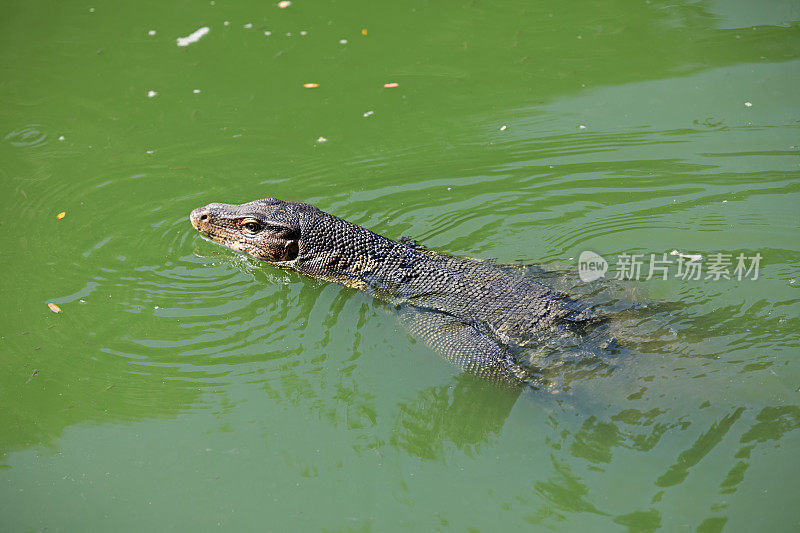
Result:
[91,10]
[151,94]
[248,25]
[284,4]
[369,114]
[748,104]
[193,37]
[61,138]
[342,41]
[322,140]
[303,32]
[150,151]
[581,127]
[151,32]
[196,91]
[226,23]
[391,85]
[155,306]
[267,33]
[690,257]
[503,127]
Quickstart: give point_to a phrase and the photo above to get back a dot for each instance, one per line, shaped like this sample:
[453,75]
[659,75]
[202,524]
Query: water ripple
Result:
[29,136]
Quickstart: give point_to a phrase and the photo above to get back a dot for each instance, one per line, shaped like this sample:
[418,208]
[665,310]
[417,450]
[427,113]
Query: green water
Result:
[186,387]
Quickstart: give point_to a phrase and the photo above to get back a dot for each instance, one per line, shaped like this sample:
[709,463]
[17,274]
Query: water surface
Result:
[186,386]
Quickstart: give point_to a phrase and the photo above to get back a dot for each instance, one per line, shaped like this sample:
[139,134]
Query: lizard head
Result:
[267,229]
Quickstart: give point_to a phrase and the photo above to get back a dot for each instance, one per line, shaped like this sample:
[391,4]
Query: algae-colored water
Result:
[186,387]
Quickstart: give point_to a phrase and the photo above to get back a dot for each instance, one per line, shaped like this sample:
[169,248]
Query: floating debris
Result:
[311,85]
[503,127]
[226,23]
[369,114]
[364,31]
[690,257]
[61,215]
[35,371]
[581,127]
[390,85]
[61,138]
[322,140]
[748,104]
[151,94]
[196,91]
[151,32]
[342,41]
[150,151]
[248,25]
[284,4]
[267,33]
[195,36]
[303,32]
[53,307]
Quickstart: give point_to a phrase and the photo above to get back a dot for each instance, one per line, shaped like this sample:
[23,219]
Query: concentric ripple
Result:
[30,136]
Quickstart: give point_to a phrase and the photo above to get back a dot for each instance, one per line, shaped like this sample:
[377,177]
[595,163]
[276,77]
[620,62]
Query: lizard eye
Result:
[252,226]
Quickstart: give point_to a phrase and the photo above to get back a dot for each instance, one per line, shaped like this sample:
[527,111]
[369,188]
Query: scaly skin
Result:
[475,313]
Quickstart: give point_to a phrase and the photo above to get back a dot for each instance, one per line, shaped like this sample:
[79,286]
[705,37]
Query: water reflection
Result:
[594,440]
[466,413]
[771,424]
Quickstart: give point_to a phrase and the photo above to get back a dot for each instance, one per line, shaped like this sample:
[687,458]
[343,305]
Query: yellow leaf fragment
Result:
[53,307]
[364,31]
[310,85]
[61,215]
[390,85]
